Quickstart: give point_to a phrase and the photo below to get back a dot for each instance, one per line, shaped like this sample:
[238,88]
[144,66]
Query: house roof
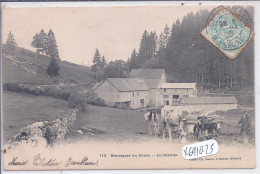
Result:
[146,73]
[152,83]
[128,84]
[178,85]
[209,100]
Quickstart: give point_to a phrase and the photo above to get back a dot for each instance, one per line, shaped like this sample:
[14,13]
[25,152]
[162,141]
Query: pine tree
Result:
[36,43]
[10,43]
[143,54]
[43,39]
[133,60]
[103,63]
[51,46]
[152,45]
[53,68]
[166,35]
[96,62]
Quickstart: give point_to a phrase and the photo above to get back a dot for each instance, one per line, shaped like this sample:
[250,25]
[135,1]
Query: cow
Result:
[208,125]
[172,118]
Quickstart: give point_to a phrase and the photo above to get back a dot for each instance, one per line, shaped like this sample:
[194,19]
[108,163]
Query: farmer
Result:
[245,122]
[148,117]
[155,122]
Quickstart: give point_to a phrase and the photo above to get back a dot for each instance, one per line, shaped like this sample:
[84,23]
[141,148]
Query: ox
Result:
[172,118]
[207,124]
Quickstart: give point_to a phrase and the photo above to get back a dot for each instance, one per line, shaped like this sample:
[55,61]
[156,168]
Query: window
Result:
[175,96]
[175,90]
[165,96]
[187,90]
[164,90]
[166,102]
[133,94]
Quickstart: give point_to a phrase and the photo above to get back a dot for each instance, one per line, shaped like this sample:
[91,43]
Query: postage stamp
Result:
[228,33]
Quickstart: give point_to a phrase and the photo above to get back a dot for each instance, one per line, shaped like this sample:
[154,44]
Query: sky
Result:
[115,31]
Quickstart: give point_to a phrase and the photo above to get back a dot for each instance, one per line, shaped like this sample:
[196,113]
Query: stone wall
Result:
[45,133]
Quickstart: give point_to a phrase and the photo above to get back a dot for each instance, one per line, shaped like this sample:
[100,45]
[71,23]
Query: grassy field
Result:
[20,110]
[117,124]
[23,67]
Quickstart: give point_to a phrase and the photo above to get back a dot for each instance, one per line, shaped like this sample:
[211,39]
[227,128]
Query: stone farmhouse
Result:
[170,93]
[148,88]
[124,92]
[153,78]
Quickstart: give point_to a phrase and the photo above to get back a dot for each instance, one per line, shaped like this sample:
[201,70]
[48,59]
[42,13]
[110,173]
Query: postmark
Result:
[227,32]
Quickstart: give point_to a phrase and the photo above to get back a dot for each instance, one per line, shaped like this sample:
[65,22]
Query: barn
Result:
[123,92]
[210,103]
[153,78]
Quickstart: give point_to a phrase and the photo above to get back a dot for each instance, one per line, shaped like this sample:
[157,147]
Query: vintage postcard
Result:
[128,87]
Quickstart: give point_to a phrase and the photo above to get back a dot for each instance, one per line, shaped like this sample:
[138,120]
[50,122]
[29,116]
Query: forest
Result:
[187,56]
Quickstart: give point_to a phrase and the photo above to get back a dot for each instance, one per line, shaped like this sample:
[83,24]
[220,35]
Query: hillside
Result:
[23,67]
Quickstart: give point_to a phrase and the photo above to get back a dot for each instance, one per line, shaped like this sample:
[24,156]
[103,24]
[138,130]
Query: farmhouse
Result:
[210,103]
[170,93]
[153,78]
[123,92]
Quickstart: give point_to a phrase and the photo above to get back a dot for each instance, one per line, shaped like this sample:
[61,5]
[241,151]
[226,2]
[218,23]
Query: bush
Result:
[14,87]
[93,99]
[51,91]
[53,68]
[57,93]
[97,102]
[77,100]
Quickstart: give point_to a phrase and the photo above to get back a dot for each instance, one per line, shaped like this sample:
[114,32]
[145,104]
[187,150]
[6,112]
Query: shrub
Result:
[97,102]
[14,87]
[77,100]
[56,92]
[51,91]
[53,68]
[93,99]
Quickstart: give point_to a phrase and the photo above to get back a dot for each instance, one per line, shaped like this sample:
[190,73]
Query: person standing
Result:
[155,122]
[245,122]
[148,117]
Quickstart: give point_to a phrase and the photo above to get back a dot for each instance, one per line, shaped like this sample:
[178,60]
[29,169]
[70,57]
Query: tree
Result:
[103,63]
[96,62]
[98,66]
[51,46]
[116,69]
[133,63]
[142,54]
[36,43]
[43,40]
[40,42]
[53,68]
[10,43]
[166,35]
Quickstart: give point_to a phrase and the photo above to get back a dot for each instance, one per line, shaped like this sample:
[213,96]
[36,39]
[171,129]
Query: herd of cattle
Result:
[184,123]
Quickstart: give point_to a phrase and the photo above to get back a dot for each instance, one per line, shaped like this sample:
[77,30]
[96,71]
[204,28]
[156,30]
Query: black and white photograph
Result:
[128,87]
